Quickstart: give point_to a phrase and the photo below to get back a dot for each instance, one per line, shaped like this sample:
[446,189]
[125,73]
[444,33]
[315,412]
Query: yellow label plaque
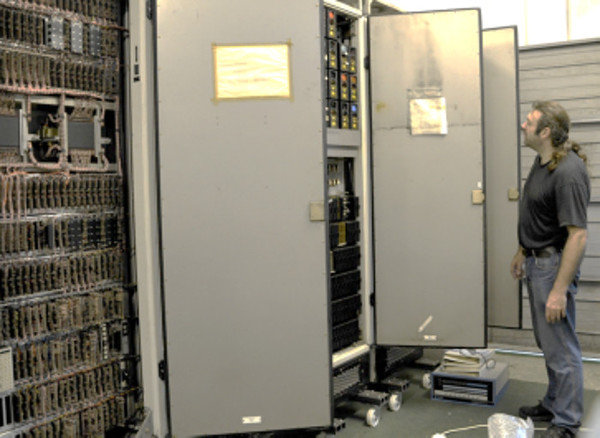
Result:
[250,72]
[428,116]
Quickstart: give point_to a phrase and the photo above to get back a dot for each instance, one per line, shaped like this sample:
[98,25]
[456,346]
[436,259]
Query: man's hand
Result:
[569,263]
[556,306]
[516,266]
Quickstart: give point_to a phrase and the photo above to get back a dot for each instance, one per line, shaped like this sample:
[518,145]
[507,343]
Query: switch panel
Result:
[340,72]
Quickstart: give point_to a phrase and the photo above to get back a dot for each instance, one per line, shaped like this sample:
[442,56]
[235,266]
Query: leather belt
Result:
[540,253]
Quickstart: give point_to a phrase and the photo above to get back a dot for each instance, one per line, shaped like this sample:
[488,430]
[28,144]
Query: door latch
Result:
[477,197]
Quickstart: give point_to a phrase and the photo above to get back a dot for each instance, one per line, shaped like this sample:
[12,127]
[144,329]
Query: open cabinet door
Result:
[244,268]
[502,146]
[427,146]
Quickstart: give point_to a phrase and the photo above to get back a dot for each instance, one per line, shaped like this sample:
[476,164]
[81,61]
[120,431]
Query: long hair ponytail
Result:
[562,151]
[555,117]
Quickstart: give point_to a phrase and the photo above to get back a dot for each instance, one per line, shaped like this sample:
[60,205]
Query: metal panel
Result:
[245,271]
[81,135]
[551,56]
[568,73]
[9,127]
[501,103]
[429,238]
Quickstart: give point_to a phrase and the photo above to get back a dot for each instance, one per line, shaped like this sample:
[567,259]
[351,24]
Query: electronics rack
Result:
[67,361]
[344,238]
[390,359]
[347,304]
[368,379]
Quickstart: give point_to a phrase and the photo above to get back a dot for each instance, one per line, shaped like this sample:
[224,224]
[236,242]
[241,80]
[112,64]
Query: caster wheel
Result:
[372,417]
[426,381]
[395,402]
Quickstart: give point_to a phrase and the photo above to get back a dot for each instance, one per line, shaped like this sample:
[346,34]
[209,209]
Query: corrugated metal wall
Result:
[570,74]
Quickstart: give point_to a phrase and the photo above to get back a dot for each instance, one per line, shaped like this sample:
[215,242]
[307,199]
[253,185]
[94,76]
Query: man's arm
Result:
[571,258]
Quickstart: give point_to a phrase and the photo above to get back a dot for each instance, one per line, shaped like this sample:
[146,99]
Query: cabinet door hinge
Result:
[162,370]
[149,11]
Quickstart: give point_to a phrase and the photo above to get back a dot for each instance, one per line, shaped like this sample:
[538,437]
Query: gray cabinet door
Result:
[245,270]
[427,146]
[502,134]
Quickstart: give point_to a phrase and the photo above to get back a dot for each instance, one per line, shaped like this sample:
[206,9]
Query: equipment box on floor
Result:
[485,389]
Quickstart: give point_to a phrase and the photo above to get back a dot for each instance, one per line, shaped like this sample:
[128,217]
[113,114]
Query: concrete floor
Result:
[529,366]
[421,417]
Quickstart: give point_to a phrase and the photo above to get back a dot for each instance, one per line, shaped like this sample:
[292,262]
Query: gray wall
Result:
[570,74]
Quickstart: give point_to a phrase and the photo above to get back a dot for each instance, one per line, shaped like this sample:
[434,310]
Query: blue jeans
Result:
[558,342]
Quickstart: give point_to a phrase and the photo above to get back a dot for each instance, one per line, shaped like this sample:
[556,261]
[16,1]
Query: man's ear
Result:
[545,132]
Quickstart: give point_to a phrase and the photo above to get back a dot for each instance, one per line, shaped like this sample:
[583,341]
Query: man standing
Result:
[552,239]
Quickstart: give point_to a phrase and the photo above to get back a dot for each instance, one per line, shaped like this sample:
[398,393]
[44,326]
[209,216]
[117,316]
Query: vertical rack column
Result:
[343,120]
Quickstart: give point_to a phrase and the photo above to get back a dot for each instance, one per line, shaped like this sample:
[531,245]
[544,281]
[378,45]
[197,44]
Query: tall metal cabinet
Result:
[266,201]
[245,270]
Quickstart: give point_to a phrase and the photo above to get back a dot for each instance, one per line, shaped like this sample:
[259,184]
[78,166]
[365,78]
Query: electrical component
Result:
[344,86]
[485,389]
[341,80]
[345,255]
[54,32]
[353,116]
[332,84]
[352,61]
[332,112]
[353,88]
[332,54]
[344,284]
[331,30]
[65,341]
[6,370]
[345,115]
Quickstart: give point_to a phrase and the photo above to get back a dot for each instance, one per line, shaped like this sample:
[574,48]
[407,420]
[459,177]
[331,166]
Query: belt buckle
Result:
[544,252]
